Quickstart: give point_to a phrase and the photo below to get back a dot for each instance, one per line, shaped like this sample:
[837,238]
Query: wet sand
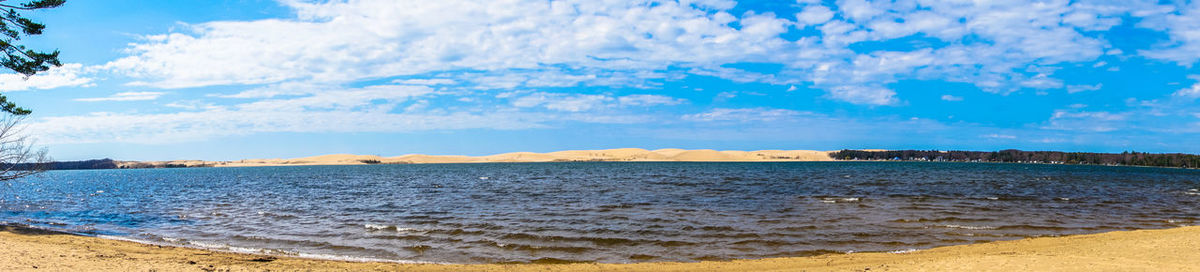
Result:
[1175,249]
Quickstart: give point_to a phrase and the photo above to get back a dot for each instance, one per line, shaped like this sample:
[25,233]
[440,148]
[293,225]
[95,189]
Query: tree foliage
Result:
[18,157]
[13,27]
[62,165]
[1012,155]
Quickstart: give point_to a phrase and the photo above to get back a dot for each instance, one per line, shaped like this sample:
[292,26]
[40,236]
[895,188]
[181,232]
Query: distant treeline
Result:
[1012,155]
[65,165]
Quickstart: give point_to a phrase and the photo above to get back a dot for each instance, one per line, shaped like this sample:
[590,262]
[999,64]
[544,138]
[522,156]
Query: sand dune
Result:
[621,154]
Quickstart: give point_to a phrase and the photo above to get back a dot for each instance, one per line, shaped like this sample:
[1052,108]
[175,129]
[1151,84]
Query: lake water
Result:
[601,211]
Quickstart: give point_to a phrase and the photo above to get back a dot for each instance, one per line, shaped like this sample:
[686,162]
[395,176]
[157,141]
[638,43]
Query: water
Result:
[601,212]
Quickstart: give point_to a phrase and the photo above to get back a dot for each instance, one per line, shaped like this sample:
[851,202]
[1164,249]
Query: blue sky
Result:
[223,80]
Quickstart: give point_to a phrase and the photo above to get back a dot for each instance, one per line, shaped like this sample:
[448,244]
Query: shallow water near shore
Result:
[602,211]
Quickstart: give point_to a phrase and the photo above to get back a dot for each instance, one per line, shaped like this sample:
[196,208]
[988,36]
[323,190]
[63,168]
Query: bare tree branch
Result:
[18,156]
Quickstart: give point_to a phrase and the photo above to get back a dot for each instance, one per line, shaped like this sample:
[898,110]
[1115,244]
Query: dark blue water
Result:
[603,212]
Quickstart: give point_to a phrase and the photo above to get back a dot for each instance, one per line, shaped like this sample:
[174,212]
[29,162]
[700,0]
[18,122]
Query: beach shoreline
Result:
[32,249]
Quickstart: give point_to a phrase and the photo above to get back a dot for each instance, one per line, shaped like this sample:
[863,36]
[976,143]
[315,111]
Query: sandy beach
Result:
[620,154]
[1139,250]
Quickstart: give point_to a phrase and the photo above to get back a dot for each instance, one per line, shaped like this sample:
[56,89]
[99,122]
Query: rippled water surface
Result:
[603,212]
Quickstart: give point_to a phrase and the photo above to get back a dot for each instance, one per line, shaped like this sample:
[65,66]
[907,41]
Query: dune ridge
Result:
[620,154]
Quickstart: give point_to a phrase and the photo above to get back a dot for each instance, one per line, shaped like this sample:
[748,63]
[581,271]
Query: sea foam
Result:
[375,227]
[968,227]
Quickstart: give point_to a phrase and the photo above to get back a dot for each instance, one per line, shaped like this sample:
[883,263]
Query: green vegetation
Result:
[1012,155]
[16,57]
[63,165]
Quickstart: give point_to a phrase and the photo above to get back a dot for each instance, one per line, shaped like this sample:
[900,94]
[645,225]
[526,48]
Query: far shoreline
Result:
[1163,160]
[539,162]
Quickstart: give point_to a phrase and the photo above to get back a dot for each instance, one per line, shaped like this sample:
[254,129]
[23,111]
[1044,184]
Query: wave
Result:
[840,199]
[968,227]
[255,251]
[760,242]
[374,227]
[903,251]
[940,219]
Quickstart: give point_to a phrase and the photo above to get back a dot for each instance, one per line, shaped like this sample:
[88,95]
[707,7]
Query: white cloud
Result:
[742,115]
[1099,121]
[434,81]
[814,14]
[1189,92]
[1083,88]
[379,97]
[1181,26]
[500,57]
[281,89]
[192,105]
[1102,116]
[194,126]
[511,44]
[1017,36]
[999,136]
[363,39]
[377,108]
[864,95]
[562,102]
[125,96]
[585,102]
[1042,81]
[67,75]
[649,100]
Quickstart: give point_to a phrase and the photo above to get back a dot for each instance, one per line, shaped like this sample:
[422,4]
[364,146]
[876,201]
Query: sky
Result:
[234,79]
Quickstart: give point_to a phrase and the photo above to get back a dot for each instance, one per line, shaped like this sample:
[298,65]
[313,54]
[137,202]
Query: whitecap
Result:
[375,227]
[839,199]
[378,227]
[355,259]
[969,227]
[263,251]
[903,251]
[235,249]
[206,244]
[126,239]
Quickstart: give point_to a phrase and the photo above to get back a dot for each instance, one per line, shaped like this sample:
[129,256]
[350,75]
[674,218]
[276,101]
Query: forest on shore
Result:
[1017,156]
[1129,158]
